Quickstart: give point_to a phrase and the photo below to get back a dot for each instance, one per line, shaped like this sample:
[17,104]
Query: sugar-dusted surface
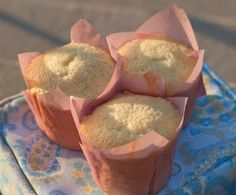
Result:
[78,69]
[127,117]
[168,58]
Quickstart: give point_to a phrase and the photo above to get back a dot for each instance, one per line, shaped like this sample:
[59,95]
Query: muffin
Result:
[129,141]
[78,69]
[127,117]
[82,68]
[165,49]
[168,58]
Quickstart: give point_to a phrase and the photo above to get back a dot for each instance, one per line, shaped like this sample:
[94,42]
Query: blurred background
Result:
[28,25]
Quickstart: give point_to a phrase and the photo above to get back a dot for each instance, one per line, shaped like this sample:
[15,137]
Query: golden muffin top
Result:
[127,117]
[170,59]
[78,69]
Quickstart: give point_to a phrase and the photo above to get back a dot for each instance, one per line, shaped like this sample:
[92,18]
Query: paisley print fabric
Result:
[205,160]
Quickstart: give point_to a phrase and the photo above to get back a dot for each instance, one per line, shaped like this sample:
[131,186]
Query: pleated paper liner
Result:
[139,167]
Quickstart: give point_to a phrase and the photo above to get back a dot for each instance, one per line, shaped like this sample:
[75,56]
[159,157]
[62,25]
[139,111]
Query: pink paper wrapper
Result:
[173,23]
[52,110]
[140,167]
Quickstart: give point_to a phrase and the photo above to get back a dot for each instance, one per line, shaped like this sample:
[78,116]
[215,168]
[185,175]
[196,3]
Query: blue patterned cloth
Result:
[205,160]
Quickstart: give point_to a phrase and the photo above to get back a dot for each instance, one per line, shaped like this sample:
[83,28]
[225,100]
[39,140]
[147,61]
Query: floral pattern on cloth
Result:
[205,160]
